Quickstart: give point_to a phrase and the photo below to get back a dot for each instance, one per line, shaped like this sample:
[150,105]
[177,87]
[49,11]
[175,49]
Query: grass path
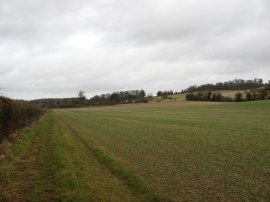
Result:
[29,175]
[56,164]
[23,176]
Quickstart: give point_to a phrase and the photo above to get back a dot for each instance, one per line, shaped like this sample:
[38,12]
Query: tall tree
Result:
[81,95]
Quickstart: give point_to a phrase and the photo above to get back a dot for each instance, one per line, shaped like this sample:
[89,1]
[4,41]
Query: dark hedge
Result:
[16,114]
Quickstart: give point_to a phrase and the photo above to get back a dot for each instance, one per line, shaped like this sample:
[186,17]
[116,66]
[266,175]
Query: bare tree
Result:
[81,95]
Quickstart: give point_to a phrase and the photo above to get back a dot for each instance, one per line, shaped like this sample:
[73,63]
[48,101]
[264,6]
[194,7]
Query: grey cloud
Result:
[55,48]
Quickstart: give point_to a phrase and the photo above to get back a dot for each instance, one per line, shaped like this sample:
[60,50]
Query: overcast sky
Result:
[54,48]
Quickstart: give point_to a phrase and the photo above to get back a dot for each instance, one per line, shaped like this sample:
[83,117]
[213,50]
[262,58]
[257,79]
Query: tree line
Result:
[59,102]
[207,96]
[236,84]
[254,94]
[164,94]
[119,97]
[250,95]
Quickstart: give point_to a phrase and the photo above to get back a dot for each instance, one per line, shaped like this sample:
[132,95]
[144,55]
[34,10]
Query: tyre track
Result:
[135,186]
[31,177]
[22,178]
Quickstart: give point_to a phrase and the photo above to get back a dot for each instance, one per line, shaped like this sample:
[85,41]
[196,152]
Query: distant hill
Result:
[228,90]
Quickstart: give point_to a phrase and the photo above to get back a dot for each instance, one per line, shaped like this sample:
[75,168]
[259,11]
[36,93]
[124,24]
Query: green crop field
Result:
[173,151]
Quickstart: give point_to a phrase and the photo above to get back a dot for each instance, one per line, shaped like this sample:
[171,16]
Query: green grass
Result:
[167,151]
[186,150]
[15,152]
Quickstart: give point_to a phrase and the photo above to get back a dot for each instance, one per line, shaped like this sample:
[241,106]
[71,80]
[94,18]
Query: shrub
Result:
[16,114]
[238,97]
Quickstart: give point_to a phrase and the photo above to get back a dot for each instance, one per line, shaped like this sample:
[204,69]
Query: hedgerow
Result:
[15,114]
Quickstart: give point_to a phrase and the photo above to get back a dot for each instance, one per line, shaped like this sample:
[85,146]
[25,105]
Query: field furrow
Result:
[143,152]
